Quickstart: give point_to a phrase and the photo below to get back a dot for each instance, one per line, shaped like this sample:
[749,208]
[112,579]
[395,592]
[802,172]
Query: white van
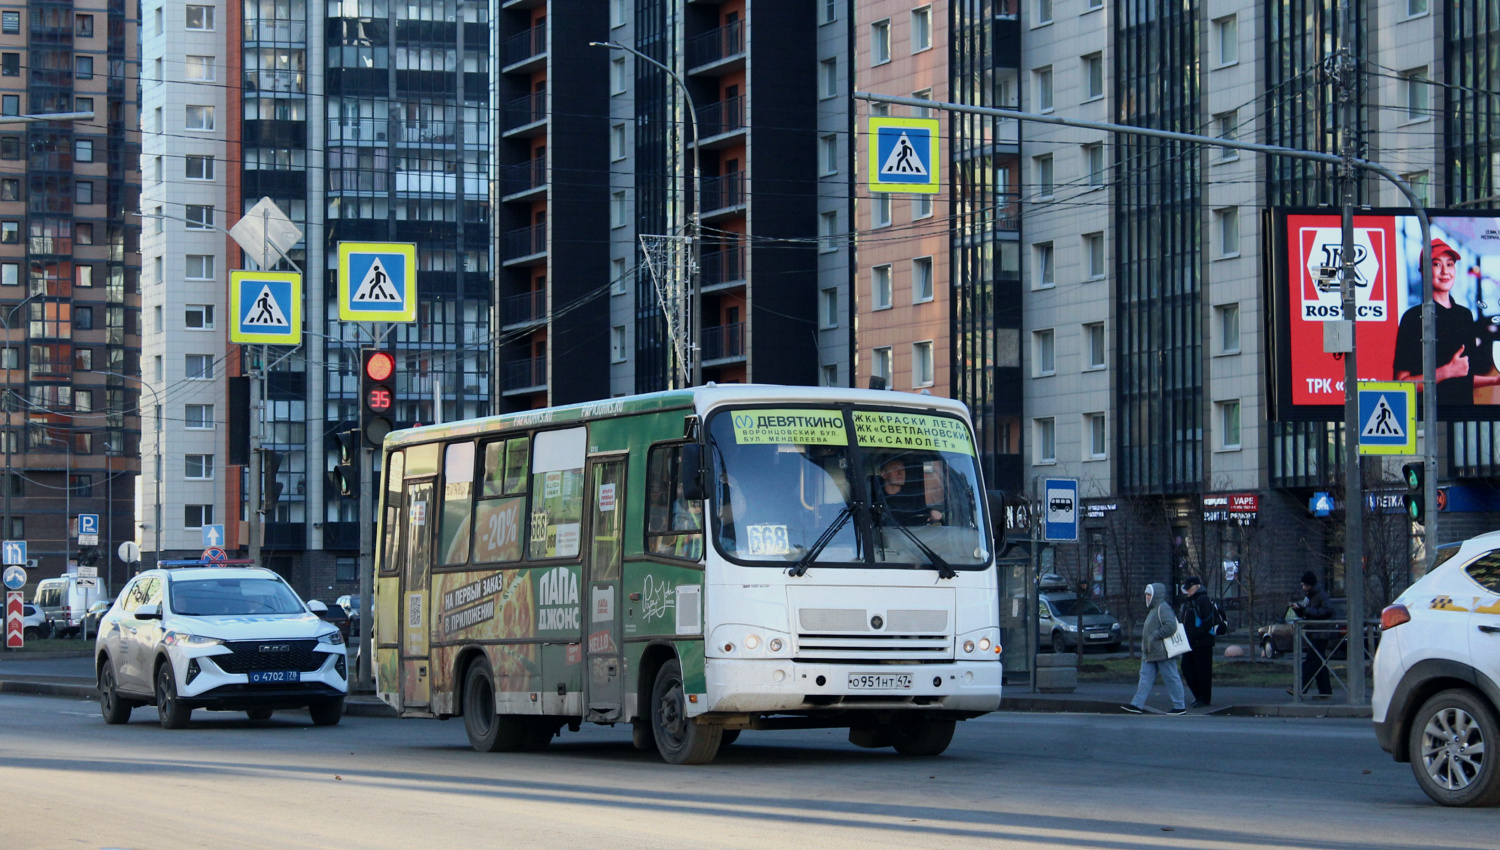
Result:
[64,603]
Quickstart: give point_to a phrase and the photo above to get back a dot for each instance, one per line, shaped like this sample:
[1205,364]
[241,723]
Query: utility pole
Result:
[1344,70]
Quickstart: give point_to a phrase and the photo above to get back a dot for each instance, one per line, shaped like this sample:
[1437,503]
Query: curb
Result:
[361,706]
[1086,706]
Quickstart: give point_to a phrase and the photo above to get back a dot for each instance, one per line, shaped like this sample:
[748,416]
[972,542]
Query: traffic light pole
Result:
[365,682]
[255,460]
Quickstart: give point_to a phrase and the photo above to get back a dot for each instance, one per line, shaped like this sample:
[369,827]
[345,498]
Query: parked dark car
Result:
[1276,640]
[336,615]
[95,612]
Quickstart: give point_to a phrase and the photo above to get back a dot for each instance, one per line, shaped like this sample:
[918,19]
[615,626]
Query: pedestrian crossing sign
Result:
[267,307]
[904,155]
[377,282]
[1387,418]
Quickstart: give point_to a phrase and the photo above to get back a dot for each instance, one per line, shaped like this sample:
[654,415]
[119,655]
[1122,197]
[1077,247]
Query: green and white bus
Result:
[695,563]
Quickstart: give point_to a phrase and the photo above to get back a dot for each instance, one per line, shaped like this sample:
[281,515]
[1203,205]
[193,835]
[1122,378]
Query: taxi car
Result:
[1436,698]
[222,638]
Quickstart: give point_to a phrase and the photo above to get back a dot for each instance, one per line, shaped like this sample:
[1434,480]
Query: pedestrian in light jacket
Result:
[1160,624]
[1197,616]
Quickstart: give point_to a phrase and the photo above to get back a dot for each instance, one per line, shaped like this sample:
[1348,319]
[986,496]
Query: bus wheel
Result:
[924,737]
[678,738]
[488,732]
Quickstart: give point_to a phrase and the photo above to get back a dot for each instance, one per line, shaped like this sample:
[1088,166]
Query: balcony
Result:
[525,376]
[521,181]
[525,50]
[525,309]
[723,195]
[524,245]
[427,132]
[723,343]
[723,268]
[524,116]
[718,50]
[720,119]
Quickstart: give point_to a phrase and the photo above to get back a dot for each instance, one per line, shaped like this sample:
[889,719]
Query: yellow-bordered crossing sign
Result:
[904,155]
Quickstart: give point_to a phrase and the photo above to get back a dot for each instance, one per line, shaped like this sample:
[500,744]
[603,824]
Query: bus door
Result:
[416,531]
[604,655]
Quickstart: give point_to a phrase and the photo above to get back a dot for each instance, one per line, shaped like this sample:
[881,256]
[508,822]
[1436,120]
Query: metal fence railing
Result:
[1316,644]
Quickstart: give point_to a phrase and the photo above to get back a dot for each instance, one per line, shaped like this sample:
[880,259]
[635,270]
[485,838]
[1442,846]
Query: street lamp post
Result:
[155,400]
[695,352]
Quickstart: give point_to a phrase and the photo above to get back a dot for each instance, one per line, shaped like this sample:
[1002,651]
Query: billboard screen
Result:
[1388,298]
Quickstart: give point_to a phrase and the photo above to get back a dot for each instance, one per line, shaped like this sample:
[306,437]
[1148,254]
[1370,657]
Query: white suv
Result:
[220,638]
[1437,676]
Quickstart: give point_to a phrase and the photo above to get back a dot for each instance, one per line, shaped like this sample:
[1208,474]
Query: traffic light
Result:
[377,395]
[1415,497]
[270,488]
[344,478]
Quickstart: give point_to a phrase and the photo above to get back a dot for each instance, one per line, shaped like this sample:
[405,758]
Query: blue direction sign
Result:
[904,155]
[1387,418]
[15,578]
[213,535]
[267,307]
[377,282]
[1060,506]
[14,552]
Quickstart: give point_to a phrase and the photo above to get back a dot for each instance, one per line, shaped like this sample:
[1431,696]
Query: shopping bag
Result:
[1177,644]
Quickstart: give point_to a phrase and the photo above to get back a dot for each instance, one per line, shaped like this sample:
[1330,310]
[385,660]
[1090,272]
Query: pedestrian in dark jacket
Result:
[1314,605]
[1197,615]
[1160,624]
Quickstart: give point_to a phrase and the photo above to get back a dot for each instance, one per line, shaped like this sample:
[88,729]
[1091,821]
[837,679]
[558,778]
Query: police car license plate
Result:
[272,677]
[879,681]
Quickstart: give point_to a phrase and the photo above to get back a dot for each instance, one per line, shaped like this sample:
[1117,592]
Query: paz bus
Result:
[694,563]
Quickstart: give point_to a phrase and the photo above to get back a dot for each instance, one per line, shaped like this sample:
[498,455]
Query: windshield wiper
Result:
[883,513]
[846,513]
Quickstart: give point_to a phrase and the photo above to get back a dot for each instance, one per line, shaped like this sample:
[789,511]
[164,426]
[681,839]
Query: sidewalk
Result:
[72,674]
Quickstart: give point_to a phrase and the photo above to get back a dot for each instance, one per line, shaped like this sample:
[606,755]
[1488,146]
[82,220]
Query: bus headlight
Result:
[968,646]
[984,644]
[775,645]
[752,641]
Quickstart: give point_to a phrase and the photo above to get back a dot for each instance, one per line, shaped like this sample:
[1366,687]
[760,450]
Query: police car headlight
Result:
[176,638]
[335,638]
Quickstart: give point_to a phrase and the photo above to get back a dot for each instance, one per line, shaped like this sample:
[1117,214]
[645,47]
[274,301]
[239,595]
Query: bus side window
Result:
[395,468]
[458,494]
[674,525]
[501,506]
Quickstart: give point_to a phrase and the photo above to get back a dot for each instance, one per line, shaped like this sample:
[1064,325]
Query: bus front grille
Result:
[874,647]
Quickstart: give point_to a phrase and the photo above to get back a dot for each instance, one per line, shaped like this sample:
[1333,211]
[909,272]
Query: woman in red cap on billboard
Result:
[1460,359]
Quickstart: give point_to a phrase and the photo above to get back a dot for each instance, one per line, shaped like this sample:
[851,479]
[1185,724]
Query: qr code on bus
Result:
[414,611]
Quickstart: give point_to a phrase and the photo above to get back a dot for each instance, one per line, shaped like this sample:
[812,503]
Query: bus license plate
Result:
[879,681]
[271,677]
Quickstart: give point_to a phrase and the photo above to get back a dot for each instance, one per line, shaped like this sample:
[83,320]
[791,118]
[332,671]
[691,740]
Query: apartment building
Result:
[69,279]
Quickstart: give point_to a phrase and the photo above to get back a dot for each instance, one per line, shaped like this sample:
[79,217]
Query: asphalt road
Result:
[1010,780]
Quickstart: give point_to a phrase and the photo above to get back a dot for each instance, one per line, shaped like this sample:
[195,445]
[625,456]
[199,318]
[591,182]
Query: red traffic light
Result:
[380,366]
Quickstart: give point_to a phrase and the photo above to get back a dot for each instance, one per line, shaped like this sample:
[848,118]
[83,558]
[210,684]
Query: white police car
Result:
[226,638]
[1437,676]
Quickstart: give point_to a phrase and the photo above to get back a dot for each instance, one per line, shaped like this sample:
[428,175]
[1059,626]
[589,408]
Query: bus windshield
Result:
[847,486]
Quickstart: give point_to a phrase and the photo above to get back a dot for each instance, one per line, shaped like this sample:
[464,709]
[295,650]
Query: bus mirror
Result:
[692,471]
[997,516]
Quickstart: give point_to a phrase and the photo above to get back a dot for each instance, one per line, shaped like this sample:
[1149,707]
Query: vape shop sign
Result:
[1239,508]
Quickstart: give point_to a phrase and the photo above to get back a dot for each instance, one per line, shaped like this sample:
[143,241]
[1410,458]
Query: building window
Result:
[1415,90]
[1094,427]
[83,233]
[1093,158]
[83,318]
[83,401]
[199,367]
[1046,440]
[10,274]
[10,232]
[1229,329]
[199,118]
[921,280]
[1421,186]
[830,12]
[10,189]
[1227,126]
[1043,353]
[1229,424]
[158,170]
[1043,11]
[81,486]
[829,146]
[1093,250]
[830,376]
[199,317]
[197,516]
[617,142]
[159,369]
[157,122]
[617,344]
[1093,76]
[198,467]
[83,192]
[1094,346]
[200,17]
[83,26]
[922,111]
[880,42]
[1043,78]
[83,67]
[10,104]
[921,29]
[882,210]
[1044,274]
[617,276]
[199,416]
[200,167]
[10,23]
[1226,41]
[616,13]
[830,308]
[1046,182]
[830,75]
[200,217]
[617,208]
[200,267]
[828,228]
[10,64]
[199,69]
[921,364]
[1093,5]
[1227,225]
[921,207]
[1414,8]
[880,287]
[83,150]
[617,79]
[881,364]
